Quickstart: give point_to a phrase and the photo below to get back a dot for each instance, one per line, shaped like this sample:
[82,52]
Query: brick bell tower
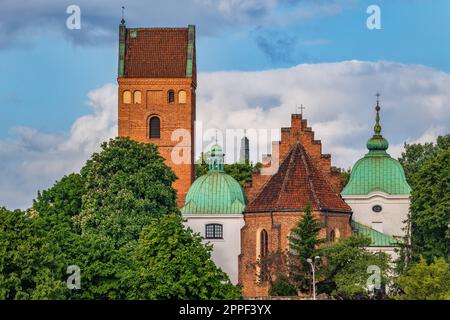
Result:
[157,80]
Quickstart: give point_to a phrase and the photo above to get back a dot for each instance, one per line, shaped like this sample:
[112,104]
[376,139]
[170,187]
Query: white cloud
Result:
[22,21]
[33,160]
[339,100]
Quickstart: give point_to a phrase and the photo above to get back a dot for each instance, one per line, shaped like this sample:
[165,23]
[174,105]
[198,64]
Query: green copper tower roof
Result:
[377,170]
[215,192]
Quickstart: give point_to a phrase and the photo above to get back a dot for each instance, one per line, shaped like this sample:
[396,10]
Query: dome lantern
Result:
[377,170]
[215,161]
[377,144]
[215,192]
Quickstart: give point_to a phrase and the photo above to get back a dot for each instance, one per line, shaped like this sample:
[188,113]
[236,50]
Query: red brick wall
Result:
[133,122]
[299,131]
[278,226]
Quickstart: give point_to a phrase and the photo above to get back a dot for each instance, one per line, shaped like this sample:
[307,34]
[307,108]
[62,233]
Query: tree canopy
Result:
[101,220]
[425,281]
[348,266]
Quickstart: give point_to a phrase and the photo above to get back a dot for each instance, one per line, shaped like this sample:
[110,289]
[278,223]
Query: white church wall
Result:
[390,220]
[392,252]
[225,251]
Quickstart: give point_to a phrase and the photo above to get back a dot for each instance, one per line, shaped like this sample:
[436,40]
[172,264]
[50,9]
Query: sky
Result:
[257,60]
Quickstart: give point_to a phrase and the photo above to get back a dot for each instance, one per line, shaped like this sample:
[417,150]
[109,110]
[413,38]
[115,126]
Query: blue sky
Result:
[413,32]
[55,79]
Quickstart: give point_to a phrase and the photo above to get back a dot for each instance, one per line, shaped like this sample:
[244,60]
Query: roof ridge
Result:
[308,176]
[285,178]
[261,188]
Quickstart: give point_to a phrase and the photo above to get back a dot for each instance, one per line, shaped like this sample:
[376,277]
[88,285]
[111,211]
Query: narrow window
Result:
[154,128]
[332,236]
[214,231]
[137,97]
[126,98]
[182,96]
[264,245]
[171,96]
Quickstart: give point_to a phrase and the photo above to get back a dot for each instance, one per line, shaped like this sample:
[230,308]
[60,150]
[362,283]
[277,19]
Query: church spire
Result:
[377,142]
[377,127]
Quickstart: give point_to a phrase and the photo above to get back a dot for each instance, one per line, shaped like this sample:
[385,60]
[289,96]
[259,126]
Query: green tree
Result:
[242,172]
[344,272]
[170,262]
[90,220]
[303,244]
[415,155]
[430,207]
[345,176]
[27,259]
[126,185]
[425,282]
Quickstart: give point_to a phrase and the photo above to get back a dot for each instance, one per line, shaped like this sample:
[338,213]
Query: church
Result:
[157,82]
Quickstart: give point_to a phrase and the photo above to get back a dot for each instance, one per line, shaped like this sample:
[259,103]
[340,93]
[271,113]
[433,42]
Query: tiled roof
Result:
[378,238]
[158,53]
[297,183]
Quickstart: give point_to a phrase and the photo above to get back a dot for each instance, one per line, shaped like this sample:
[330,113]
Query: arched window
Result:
[171,96]
[213,231]
[137,97]
[332,236]
[126,96]
[264,243]
[154,128]
[182,96]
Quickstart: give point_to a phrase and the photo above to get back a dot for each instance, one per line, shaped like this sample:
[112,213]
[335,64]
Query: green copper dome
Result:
[377,170]
[215,192]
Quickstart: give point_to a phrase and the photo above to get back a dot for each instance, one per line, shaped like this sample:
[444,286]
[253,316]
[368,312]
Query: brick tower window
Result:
[264,245]
[137,97]
[126,96]
[182,96]
[171,96]
[154,128]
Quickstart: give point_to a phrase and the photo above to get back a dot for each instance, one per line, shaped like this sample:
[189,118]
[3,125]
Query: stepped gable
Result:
[298,132]
[297,182]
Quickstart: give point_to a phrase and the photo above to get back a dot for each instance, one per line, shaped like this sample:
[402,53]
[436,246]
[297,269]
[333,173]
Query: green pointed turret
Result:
[377,170]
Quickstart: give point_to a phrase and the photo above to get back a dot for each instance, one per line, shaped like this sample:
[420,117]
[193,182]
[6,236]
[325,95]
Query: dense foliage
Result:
[242,172]
[102,220]
[348,266]
[425,282]
[170,262]
[415,155]
[303,243]
[427,167]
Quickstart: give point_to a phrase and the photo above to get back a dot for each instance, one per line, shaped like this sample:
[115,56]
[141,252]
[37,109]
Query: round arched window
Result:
[377,208]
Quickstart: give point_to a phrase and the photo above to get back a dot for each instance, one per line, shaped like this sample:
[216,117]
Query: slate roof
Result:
[159,52]
[297,182]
